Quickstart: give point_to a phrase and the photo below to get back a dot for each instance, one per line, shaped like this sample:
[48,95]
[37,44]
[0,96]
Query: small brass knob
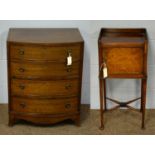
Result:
[68,86]
[68,70]
[21,69]
[69,52]
[22,105]
[21,86]
[68,105]
[21,51]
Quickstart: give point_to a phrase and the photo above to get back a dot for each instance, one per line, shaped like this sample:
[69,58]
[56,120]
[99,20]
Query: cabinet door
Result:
[123,60]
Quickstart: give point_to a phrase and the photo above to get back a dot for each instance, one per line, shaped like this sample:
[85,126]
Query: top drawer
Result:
[45,53]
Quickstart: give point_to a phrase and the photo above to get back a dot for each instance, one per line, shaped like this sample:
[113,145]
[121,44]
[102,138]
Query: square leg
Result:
[101,103]
[143,101]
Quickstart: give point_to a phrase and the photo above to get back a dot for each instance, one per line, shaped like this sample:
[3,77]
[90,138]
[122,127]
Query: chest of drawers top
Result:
[51,36]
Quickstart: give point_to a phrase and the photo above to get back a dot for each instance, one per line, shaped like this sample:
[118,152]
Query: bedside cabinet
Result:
[44,75]
[122,54]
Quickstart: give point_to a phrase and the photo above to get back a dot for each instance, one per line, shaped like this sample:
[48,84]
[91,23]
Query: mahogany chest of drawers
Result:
[122,54]
[44,75]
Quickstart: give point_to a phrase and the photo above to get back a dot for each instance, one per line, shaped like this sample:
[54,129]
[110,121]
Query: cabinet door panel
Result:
[123,60]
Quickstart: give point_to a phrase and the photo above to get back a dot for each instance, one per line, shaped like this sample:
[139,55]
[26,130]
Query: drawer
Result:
[44,71]
[45,88]
[45,53]
[44,106]
[123,60]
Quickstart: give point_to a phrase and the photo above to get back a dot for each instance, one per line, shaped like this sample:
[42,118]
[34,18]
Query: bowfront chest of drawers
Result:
[44,75]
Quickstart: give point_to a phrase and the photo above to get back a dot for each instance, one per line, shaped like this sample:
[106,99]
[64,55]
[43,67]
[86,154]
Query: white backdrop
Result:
[119,89]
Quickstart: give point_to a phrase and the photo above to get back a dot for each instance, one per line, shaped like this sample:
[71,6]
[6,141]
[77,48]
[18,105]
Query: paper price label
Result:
[69,60]
[105,72]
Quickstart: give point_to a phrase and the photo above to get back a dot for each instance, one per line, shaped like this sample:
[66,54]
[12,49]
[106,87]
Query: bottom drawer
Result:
[44,106]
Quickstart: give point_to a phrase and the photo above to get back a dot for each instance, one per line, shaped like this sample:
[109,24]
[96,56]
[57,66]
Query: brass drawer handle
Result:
[69,52]
[68,86]
[69,70]
[21,69]
[23,105]
[21,86]
[21,51]
[68,106]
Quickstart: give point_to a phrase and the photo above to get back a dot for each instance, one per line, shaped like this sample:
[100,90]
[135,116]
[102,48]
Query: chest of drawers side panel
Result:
[81,71]
[9,76]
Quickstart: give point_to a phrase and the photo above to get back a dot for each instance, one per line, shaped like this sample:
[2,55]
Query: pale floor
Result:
[116,122]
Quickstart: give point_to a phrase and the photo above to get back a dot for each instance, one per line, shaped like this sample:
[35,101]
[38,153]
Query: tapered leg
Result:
[101,103]
[77,121]
[11,120]
[143,101]
[105,103]
[141,95]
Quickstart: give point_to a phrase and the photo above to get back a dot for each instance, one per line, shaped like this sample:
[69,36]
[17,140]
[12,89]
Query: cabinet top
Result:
[122,37]
[44,35]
